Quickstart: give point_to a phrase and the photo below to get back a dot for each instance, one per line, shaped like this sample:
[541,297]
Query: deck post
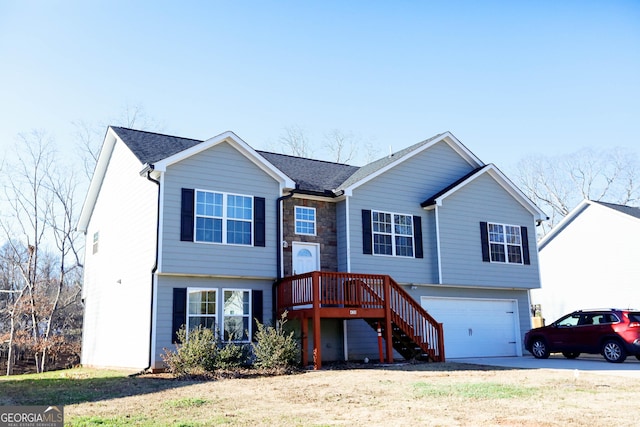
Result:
[317,352]
[387,319]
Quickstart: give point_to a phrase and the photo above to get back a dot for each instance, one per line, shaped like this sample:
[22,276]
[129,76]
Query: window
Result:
[223,218]
[96,238]
[505,243]
[201,309]
[236,313]
[305,220]
[568,321]
[232,319]
[392,234]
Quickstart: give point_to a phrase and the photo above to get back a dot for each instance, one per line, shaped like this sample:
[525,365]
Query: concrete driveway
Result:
[591,363]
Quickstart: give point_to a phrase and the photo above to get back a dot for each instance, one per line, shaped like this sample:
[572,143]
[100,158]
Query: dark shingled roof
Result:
[629,210]
[310,175]
[151,147]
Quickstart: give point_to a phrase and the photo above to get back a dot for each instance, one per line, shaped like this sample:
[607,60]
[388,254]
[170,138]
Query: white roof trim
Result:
[239,145]
[566,220]
[99,172]
[446,137]
[575,212]
[505,183]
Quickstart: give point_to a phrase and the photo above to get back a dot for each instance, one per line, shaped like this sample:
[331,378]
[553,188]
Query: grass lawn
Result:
[437,394]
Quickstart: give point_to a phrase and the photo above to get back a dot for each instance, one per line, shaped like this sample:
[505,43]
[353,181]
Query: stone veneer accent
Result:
[326,234]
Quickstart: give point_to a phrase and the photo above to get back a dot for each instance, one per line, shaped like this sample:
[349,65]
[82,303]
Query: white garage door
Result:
[476,327]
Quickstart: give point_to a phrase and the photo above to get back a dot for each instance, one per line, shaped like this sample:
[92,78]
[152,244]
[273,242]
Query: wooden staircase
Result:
[377,299]
[403,344]
[415,334]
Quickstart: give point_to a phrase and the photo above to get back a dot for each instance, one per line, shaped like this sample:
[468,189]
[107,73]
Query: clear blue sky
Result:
[507,78]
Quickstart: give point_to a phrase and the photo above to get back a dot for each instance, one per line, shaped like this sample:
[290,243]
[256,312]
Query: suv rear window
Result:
[607,318]
[634,316]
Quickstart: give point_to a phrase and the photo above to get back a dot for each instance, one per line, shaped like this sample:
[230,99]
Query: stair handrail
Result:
[405,312]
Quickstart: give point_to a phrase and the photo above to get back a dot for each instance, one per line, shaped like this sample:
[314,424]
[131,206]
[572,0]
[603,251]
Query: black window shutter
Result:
[525,245]
[484,240]
[366,232]
[417,235]
[256,310]
[179,312]
[186,215]
[259,223]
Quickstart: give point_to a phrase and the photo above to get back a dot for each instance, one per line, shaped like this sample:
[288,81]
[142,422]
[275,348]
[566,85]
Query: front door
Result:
[305,257]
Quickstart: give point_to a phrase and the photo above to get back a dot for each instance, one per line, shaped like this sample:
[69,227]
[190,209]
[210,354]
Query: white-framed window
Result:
[392,234]
[202,308]
[505,243]
[96,241]
[236,314]
[305,220]
[223,218]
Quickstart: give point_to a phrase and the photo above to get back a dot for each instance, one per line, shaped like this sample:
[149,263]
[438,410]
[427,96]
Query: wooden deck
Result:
[401,321]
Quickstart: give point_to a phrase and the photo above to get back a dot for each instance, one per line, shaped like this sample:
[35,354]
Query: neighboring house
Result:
[590,260]
[182,231]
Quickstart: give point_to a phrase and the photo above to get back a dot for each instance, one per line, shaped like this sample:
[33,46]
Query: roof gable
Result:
[495,173]
[630,211]
[236,142]
[380,166]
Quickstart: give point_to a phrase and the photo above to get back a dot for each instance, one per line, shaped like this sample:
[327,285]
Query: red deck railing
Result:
[329,290]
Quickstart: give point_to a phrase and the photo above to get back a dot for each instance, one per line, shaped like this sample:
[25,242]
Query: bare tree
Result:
[341,146]
[11,293]
[338,146]
[62,220]
[39,234]
[88,141]
[295,142]
[89,137]
[558,184]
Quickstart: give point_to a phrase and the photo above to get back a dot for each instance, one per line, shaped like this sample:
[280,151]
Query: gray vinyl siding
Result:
[461,253]
[363,342]
[164,301]
[401,190]
[221,168]
[362,339]
[331,339]
[341,231]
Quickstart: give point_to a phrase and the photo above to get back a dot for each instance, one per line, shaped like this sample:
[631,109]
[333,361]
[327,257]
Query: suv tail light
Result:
[634,325]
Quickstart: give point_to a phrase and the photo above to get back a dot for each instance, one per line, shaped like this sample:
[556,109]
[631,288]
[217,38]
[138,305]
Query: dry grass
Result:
[422,394]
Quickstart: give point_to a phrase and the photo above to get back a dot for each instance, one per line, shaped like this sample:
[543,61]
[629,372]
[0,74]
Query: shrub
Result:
[275,348]
[232,355]
[195,356]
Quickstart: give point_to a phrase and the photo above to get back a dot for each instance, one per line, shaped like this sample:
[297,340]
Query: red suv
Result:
[612,333]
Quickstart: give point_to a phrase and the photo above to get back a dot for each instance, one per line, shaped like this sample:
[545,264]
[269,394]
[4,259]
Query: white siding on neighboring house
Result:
[117,285]
[592,262]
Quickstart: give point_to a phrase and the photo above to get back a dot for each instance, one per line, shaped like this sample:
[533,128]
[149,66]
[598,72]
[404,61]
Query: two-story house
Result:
[214,233]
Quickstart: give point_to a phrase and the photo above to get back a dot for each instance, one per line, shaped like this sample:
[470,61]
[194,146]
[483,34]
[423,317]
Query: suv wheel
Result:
[613,352]
[539,349]
[570,354]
